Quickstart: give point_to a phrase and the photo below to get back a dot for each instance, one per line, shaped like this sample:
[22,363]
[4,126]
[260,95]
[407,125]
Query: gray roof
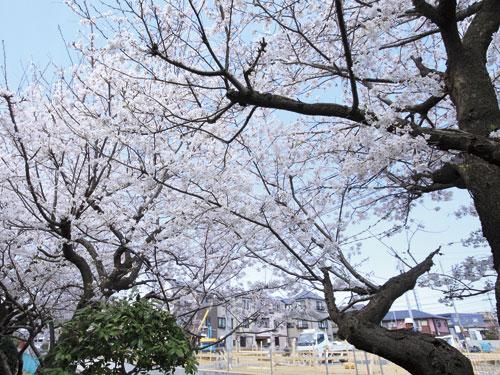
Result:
[307,295]
[310,315]
[417,314]
[467,320]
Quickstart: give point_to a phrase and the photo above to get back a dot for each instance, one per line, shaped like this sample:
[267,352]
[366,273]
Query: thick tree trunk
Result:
[418,353]
[472,91]
[482,179]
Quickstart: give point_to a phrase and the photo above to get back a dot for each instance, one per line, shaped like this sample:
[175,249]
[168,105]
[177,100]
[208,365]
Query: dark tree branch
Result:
[333,310]
[445,140]
[394,288]
[461,15]
[251,69]
[267,100]
[347,53]
[80,263]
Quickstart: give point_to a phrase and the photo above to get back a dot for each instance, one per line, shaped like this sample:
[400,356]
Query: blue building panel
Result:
[467,320]
[417,314]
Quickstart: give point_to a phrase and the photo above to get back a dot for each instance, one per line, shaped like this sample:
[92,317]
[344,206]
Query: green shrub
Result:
[102,338]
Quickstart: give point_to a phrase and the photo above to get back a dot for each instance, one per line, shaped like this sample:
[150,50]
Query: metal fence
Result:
[354,362]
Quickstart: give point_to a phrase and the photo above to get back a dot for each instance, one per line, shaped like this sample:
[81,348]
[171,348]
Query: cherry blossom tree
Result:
[260,132]
[87,208]
[335,111]
[411,84]
[26,305]
[80,222]
[469,278]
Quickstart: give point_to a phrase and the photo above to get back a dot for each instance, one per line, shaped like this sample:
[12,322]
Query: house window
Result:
[221,322]
[290,325]
[323,324]
[302,324]
[246,304]
[264,322]
[243,341]
[276,341]
[320,306]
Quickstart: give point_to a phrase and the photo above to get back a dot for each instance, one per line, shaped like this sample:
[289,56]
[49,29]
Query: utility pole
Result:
[457,315]
[408,305]
[410,311]
[417,302]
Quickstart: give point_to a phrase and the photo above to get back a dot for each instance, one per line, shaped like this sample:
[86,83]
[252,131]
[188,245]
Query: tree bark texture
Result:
[472,91]
[418,353]
[483,182]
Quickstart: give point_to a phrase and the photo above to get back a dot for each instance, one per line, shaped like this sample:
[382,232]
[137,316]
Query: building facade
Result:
[249,324]
[307,311]
[431,324]
[470,325]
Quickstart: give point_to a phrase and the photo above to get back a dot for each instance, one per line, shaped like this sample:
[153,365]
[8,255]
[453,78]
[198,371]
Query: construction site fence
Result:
[351,362]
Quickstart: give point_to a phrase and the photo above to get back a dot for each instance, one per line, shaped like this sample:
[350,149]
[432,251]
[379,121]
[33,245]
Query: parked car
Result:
[474,349]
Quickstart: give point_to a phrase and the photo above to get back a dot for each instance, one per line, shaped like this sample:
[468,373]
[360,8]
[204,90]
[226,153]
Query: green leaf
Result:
[137,332]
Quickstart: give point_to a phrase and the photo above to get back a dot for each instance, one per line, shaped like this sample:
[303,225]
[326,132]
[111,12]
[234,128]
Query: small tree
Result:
[104,337]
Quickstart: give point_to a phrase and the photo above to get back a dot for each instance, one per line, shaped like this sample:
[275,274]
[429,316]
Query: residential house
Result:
[473,324]
[265,330]
[490,320]
[435,325]
[246,325]
[307,311]
[492,327]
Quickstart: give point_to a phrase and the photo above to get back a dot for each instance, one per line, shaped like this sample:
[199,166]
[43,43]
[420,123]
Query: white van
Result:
[312,340]
[317,343]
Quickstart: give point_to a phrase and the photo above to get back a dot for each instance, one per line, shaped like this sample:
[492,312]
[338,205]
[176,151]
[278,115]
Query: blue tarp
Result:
[485,347]
[30,363]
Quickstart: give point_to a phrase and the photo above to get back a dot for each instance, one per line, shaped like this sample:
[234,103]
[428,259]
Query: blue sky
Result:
[30,30]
